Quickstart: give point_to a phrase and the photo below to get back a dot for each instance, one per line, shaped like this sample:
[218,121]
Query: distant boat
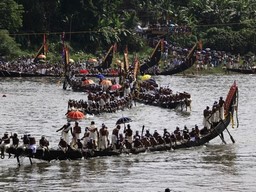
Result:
[243,70]
[186,64]
[39,58]
[154,58]
[6,73]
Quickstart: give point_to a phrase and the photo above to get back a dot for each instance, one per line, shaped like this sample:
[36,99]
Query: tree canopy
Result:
[92,25]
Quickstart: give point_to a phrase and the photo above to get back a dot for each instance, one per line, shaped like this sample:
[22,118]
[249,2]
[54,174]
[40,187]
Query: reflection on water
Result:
[38,105]
[222,157]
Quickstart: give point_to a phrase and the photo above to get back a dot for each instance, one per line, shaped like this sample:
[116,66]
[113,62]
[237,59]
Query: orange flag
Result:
[45,45]
[200,44]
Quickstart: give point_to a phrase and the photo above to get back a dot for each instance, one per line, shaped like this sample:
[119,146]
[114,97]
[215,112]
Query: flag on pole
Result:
[126,61]
[115,48]
[200,44]
[162,45]
[45,45]
[136,66]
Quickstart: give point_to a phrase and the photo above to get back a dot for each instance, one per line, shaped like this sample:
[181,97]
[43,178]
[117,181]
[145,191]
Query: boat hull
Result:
[4,73]
[243,71]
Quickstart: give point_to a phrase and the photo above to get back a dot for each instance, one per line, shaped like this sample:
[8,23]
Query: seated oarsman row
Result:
[176,137]
[130,141]
[161,96]
[28,142]
[95,139]
[101,102]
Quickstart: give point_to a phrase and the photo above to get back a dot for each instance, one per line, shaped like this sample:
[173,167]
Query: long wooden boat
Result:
[107,61]
[186,64]
[153,59]
[41,52]
[172,101]
[57,154]
[242,70]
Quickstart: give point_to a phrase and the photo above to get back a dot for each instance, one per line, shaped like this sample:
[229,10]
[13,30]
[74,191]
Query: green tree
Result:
[10,15]
[8,47]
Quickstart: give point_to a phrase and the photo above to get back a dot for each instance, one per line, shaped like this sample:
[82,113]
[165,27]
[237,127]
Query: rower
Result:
[103,137]
[86,137]
[221,108]
[137,142]
[128,133]
[127,144]
[5,143]
[63,145]
[136,136]
[206,118]
[94,134]
[166,134]
[186,136]
[192,135]
[147,134]
[156,134]
[76,130]
[15,140]
[65,130]
[115,134]
[215,113]
[79,144]
[44,143]
[25,140]
[32,144]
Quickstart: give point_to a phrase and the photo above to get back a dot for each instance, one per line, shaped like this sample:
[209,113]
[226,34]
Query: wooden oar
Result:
[222,138]
[232,139]
[30,160]
[220,135]
[142,130]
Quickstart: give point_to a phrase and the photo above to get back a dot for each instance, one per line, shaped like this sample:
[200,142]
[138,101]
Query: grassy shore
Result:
[211,70]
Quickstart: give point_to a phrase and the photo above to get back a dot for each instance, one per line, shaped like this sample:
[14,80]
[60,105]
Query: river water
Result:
[37,106]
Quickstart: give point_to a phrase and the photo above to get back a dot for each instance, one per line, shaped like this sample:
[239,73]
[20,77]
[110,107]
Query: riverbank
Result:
[211,70]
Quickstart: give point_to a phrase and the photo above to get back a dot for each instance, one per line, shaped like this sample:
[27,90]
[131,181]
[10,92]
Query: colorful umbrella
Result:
[114,71]
[116,87]
[123,120]
[88,82]
[84,71]
[75,115]
[92,60]
[145,77]
[106,82]
[100,76]
[118,61]
[71,61]
[41,56]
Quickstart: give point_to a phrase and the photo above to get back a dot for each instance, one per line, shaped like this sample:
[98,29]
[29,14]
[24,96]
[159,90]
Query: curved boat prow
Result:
[231,99]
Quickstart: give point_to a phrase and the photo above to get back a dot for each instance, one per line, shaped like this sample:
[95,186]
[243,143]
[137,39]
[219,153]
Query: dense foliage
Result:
[93,25]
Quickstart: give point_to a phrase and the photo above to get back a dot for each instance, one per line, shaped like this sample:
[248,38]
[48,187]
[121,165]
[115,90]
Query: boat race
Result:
[127,96]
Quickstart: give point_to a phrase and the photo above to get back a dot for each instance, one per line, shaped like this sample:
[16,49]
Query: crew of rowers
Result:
[163,96]
[98,139]
[101,102]
[28,142]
